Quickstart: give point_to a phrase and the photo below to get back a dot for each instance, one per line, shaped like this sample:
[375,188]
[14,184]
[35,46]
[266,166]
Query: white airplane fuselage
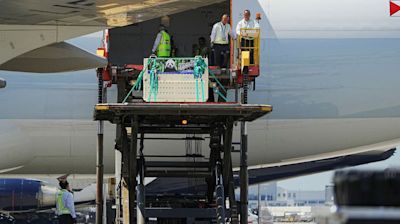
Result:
[330,70]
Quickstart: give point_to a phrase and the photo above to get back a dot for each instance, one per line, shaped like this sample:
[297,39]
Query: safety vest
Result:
[61,209]
[164,48]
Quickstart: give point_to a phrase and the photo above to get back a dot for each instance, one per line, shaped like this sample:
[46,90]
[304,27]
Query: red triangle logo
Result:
[394,8]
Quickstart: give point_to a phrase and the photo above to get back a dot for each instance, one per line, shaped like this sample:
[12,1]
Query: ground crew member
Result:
[162,44]
[247,23]
[220,41]
[65,204]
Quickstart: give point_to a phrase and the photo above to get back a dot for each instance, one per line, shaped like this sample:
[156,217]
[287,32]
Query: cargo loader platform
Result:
[211,121]
[177,99]
[168,117]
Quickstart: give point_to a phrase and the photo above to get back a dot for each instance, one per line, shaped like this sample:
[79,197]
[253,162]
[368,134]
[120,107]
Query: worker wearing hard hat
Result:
[65,204]
[220,41]
[162,44]
[247,23]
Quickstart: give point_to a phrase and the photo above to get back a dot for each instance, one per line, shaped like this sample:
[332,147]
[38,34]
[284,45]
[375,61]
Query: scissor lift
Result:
[136,119]
[213,119]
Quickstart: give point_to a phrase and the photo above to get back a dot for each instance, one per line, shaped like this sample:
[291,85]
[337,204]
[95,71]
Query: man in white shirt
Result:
[220,41]
[247,23]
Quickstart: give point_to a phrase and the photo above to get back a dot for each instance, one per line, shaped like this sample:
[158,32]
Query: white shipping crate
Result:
[176,81]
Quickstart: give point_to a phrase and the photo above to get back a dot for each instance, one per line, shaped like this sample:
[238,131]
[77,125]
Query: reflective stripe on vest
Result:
[61,209]
[164,48]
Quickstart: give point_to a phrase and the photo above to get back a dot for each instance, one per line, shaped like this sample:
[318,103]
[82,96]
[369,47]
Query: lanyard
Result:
[223,29]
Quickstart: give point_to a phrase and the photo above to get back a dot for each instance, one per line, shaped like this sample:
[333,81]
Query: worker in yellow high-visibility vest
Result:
[65,204]
[162,44]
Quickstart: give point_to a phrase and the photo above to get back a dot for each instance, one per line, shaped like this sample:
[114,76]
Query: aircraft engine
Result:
[18,195]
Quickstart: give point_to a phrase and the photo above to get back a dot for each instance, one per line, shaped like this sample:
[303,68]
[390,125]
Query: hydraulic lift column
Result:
[244,181]
[120,142]
[99,162]
[133,168]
